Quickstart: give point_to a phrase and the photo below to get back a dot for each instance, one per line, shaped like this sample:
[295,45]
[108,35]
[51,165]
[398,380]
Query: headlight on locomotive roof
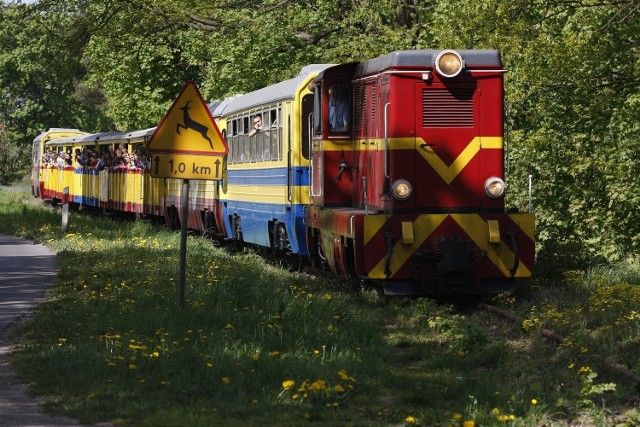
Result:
[494,187]
[401,190]
[449,63]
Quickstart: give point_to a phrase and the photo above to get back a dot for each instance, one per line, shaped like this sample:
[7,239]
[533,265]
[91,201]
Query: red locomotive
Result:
[407,187]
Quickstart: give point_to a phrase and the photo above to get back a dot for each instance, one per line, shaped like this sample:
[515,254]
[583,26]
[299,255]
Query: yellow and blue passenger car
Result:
[266,188]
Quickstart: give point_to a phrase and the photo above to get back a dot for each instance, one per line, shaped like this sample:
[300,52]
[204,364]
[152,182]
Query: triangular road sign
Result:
[188,127]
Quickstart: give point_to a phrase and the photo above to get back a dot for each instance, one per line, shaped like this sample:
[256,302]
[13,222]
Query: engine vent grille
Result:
[360,101]
[447,108]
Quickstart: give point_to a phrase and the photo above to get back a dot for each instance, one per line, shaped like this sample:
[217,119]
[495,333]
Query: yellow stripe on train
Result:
[275,194]
[448,173]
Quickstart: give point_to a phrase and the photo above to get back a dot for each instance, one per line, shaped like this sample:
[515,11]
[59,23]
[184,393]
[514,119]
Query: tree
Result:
[40,76]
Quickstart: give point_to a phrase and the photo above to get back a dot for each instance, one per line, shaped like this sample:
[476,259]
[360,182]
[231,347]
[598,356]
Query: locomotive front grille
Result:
[443,107]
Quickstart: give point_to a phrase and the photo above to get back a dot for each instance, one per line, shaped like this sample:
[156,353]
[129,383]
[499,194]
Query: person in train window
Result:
[60,161]
[257,126]
[339,111]
[79,158]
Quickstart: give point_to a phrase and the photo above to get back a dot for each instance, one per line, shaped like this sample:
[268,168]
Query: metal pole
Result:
[65,209]
[530,178]
[183,239]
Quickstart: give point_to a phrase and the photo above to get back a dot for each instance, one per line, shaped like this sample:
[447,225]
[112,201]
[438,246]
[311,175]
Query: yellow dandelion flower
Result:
[469,423]
[226,380]
[457,416]
[209,365]
[584,370]
[132,366]
[343,375]
[339,389]
[318,386]
[228,326]
[274,353]
[534,401]
[330,328]
[255,357]
[495,411]
[410,420]
[288,384]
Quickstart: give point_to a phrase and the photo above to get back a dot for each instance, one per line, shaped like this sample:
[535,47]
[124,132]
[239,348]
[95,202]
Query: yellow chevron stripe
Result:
[449,173]
[526,222]
[423,226]
[500,255]
[373,224]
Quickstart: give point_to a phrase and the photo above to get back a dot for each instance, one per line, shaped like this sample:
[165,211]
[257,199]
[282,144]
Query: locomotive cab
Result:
[411,192]
[332,150]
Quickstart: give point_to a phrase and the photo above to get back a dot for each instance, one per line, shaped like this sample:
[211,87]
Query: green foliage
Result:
[571,90]
[39,71]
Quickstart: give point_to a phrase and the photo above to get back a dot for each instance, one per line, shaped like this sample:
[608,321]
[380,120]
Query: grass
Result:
[256,344]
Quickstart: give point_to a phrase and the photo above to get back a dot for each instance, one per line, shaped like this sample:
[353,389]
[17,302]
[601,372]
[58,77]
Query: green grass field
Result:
[256,344]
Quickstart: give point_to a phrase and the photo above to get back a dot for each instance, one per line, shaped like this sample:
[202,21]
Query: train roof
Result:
[62,131]
[109,137]
[425,59]
[277,92]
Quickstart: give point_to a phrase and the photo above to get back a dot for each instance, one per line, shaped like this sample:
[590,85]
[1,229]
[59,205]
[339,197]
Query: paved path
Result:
[26,273]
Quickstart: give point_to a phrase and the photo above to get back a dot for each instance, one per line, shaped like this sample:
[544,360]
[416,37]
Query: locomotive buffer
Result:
[187,145]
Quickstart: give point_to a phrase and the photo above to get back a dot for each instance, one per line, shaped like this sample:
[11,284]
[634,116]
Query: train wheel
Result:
[236,229]
[278,238]
[209,223]
[173,218]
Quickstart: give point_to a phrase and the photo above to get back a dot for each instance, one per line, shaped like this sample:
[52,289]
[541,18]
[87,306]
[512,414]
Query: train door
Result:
[447,145]
[36,162]
[316,159]
[296,174]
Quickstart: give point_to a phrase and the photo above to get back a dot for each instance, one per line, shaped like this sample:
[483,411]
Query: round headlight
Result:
[401,190]
[494,187]
[449,63]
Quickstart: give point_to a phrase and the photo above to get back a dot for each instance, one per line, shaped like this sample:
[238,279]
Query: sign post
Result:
[187,145]
[183,240]
[65,209]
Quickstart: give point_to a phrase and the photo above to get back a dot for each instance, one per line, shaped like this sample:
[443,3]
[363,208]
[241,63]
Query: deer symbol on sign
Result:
[189,123]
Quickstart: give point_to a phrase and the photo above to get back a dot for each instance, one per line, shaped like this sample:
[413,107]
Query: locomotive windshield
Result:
[317,109]
[339,108]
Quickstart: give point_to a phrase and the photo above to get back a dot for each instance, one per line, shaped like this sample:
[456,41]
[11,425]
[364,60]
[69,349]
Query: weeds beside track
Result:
[256,343]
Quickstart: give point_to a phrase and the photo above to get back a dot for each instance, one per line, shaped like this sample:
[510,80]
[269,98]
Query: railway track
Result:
[548,333]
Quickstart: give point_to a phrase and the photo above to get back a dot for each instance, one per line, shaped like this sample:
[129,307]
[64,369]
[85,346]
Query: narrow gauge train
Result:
[388,170]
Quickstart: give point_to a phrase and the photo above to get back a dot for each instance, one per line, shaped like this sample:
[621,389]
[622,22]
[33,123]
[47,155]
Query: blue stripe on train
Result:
[81,199]
[271,176]
[255,217]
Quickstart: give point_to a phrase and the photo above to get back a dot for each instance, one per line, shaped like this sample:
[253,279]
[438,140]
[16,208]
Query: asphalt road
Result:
[27,271]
